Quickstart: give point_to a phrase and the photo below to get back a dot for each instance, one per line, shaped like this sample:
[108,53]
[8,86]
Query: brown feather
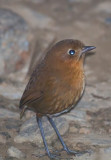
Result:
[57,83]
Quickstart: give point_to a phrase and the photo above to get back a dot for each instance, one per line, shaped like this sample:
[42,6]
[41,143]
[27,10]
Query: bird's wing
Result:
[30,97]
[33,92]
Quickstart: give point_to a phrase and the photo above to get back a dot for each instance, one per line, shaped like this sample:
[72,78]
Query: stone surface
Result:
[99,93]
[5,113]
[39,47]
[89,124]
[1,158]
[29,132]
[36,1]
[94,156]
[33,18]
[104,7]
[107,150]
[14,152]
[73,129]
[10,158]
[14,41]
[5,134]
[84,131]
[2,139]
[10,91]
[79,1]
[92,139]
[78,116]
[12,124]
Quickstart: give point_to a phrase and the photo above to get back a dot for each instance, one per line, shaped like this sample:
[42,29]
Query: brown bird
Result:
[56,85]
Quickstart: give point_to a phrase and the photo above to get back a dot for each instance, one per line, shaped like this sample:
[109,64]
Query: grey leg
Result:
[61,140]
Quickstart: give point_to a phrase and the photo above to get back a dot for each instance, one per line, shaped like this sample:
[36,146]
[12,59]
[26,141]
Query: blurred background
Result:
[27,29]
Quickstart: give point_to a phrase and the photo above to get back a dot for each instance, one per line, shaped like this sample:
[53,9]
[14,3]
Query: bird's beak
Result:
[87,48]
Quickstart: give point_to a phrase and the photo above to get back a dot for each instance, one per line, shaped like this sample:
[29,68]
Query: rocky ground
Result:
[27,29]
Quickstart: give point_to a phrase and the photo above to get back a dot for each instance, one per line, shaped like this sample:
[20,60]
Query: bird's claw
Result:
[77,153]
[51,156]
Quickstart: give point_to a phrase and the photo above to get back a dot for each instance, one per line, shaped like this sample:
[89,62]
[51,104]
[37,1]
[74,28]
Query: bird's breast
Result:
[65,92]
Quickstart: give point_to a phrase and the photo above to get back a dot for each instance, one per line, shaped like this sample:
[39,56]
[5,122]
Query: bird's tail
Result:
[22,111]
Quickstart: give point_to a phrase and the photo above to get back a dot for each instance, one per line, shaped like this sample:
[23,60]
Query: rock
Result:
[5,134]
[84,131]
[79,1]
[2,139]
[107,150]
[10,158]
[29,114]
[14,42]
[5,113]
[91,139]
[36,1]
[1,158]
[32,17]
[11,92]
[29,132]
[102,91]
[94,156]
[78,116]
[108,20]
[73,129]
[104,7]
[101,120]
[38,19]
[12,106]
[12,124]
[14,152]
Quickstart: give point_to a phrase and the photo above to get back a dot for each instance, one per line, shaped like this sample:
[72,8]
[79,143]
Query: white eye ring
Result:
[71,52]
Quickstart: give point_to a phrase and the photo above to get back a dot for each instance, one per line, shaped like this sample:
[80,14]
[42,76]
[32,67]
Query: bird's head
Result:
[69,52]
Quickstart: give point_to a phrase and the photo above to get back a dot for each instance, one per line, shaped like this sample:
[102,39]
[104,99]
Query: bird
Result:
[56,85]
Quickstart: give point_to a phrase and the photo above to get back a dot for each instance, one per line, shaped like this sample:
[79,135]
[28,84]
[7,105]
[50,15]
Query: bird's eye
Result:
[71,52]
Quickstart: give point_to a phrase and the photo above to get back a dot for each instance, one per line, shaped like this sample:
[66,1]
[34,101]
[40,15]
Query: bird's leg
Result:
[44,141]
[61,140]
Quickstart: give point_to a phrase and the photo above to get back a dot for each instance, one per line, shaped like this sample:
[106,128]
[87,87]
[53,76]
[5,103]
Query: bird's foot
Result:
[50,155]
[77,153]
[53,156]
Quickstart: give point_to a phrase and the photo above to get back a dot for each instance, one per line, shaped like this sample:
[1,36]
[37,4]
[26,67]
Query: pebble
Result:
[29,131]
[14,152]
